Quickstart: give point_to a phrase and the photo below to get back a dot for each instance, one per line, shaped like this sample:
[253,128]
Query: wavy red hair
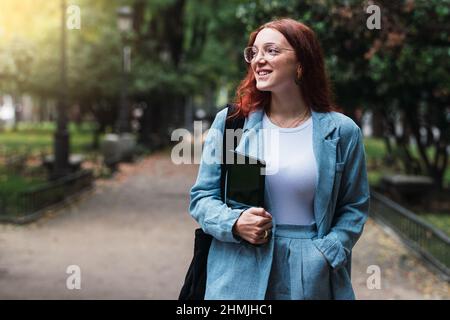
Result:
[315,84]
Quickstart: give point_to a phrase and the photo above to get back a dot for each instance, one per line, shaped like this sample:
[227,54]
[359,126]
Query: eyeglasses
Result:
[269,52]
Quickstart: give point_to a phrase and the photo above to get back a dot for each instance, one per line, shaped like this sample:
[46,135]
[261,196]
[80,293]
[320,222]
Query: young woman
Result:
[299,245]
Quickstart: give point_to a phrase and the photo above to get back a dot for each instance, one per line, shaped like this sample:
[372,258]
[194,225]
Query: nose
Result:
[259,61]
[256,59]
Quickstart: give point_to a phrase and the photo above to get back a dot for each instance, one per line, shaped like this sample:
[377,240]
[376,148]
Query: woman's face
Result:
[282,65]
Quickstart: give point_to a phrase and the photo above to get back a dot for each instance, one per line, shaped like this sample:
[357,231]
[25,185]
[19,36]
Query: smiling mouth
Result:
[263,74]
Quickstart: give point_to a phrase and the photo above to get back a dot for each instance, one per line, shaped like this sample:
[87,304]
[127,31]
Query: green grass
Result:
[12,184]
[375,148]
[374,177]
[440,220]
[447,176]
[34,139]
[375,152]
[39,138]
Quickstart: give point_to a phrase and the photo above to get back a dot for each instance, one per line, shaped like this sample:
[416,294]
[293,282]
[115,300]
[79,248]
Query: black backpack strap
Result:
[234,123]
[195,281]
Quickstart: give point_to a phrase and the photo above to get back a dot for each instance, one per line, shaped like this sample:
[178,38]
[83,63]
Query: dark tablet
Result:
[244,181]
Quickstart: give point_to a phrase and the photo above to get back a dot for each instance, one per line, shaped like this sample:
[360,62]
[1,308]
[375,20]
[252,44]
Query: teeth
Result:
[262,73]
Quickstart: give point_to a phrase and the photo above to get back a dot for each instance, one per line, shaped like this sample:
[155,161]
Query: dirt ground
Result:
[132,239]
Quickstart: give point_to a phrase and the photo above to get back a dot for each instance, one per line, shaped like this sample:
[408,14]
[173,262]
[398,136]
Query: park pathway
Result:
[132,239]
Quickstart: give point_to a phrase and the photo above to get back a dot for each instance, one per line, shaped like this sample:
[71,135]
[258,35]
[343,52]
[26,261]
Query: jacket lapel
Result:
[251,142]
[325,153]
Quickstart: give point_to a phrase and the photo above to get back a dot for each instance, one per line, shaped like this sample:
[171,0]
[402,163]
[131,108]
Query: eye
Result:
[273,51]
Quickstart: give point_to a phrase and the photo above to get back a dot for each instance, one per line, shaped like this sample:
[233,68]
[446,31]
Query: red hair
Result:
[314,86]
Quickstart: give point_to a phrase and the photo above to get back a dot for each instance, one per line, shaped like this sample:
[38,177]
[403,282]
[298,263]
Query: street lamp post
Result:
[124,22]
[61,136]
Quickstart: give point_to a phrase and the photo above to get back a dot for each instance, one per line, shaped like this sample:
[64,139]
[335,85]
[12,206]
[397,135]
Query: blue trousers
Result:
[299,270]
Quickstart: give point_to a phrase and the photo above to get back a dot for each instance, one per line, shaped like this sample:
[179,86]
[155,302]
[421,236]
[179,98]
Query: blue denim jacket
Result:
[239,270]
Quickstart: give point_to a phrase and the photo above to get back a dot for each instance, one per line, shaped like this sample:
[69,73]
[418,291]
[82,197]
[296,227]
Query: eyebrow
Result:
[266,43]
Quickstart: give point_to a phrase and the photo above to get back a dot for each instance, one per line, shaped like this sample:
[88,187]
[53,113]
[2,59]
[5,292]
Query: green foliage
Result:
[95,53]
[209,56]
[410,51]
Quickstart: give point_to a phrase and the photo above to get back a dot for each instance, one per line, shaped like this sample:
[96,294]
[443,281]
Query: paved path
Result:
[132,238]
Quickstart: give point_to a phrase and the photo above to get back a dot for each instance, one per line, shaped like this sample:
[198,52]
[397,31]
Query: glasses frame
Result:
[264,52]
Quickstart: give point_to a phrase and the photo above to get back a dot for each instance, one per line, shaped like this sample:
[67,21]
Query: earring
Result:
[299,76]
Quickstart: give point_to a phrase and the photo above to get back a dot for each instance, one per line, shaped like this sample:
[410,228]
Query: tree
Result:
[408,63]
[184,48]
[399,69]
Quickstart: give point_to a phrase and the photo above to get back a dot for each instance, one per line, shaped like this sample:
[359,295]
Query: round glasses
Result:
[269,52]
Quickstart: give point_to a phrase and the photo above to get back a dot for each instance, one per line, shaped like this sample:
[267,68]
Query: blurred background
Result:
[91,91]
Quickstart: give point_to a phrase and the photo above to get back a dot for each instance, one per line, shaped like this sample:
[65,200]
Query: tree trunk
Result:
[377,124]
[17,110]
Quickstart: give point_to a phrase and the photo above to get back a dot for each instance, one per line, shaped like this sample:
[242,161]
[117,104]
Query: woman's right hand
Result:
[252,225]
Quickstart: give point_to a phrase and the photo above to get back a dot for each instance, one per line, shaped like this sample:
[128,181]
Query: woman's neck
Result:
[287,106]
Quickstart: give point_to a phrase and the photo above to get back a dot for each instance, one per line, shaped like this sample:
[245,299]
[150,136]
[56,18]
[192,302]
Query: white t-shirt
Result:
[289,193]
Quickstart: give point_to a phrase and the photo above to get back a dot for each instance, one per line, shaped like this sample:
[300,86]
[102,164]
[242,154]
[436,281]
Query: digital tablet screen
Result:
[244,181]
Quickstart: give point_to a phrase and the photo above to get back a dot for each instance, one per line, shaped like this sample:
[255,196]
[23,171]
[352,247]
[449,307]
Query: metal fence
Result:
[35,199]
[430,242]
